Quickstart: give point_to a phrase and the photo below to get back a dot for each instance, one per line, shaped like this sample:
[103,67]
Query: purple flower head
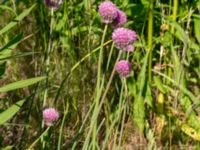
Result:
[50,115]
[120,20]
[53,3]
[108,11]
[124,38]
[123,67]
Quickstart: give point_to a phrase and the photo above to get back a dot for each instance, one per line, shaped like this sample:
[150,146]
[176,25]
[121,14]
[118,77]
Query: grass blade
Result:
[20,84]
[10,112]
[16,20]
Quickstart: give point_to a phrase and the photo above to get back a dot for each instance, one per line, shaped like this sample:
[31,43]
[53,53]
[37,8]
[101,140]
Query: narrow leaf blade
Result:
[10,112]
[20,84]
[16,20]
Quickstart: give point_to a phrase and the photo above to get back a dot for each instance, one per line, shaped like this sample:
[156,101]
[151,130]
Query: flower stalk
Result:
[150,39]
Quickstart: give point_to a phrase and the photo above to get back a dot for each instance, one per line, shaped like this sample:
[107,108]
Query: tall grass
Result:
[65,58]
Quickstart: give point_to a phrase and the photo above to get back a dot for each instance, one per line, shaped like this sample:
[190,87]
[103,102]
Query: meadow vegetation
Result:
[67,82]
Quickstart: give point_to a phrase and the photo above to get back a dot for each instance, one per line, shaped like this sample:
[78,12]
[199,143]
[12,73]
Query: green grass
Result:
[65,58]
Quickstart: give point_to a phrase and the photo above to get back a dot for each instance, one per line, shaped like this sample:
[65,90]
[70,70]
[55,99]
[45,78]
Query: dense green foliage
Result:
[64,58]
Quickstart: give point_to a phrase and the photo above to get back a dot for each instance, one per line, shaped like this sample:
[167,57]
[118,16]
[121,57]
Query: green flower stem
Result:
[150,38]
[174,16]
[106,103]
[109,57]
[76,66]
[101,57]
[107,88]
[48,59]
[62,127]
[98,93]
[35,142]
[175,10]
[82,126]
[47,71]
[98,107]
[110,79]
[99,74]
[120,110]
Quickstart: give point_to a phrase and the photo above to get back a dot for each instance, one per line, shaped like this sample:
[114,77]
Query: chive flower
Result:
[108,12]
[53,3]
[123,67]
[123,39]
[50,116]
[120,20]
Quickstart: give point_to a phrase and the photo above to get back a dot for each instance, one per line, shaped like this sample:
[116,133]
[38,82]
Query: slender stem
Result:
[109,57]
[181,72]
[14,6]
[121,107]
[122,127]
[101,57]
[110,79]
[99,105]
[94,118]
[150,38]
[106,103]
[75,67]
[123,111]
[175,10]
[174,16]
[47,70]
[83,124]
[100,61]
[48,59]
[35,142]
[62,127]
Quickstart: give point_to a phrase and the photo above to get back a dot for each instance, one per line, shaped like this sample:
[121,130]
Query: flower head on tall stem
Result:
[108,12]
[53,3]
[123,39]
[123,67]
[50,115]
[120,20]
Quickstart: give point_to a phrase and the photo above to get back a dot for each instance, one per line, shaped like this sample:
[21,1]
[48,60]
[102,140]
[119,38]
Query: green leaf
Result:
[190,132]
[10,112]
[167,39]
[5,54]
[4,7]
[181,87]
[16,20]
[196,28]
[20,84]
[7,148]
[16,56]
[145,2]
[138,107]
[86,4]
[192,119]
[2,68]
[176,64]
[12,42]
[148,96]
[159,84]
[180,32]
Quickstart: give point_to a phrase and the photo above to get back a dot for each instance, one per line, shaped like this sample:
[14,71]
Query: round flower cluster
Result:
[123,67]
[124,38]
[108,11]
[50,115]
[120,20]
[53,3]
[111,14]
